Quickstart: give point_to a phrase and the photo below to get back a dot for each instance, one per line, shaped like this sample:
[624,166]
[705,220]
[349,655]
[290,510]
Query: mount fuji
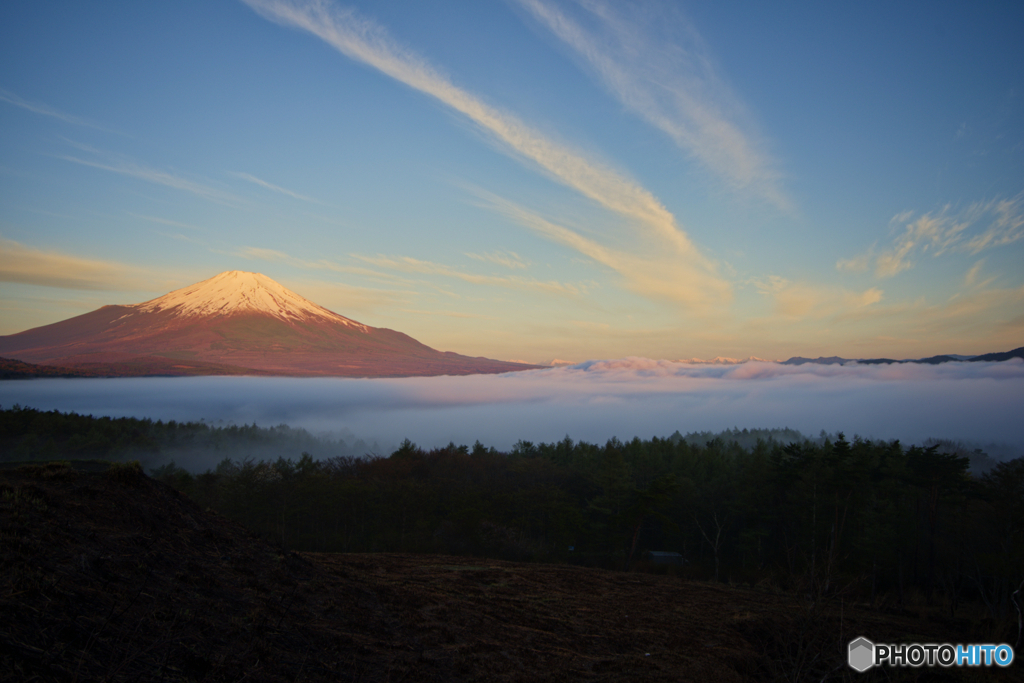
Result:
[235,323]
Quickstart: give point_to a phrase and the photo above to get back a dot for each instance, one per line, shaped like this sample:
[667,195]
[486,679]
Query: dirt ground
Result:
[108,575]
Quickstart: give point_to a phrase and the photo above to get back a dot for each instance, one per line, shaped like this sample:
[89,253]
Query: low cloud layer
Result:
[592,401]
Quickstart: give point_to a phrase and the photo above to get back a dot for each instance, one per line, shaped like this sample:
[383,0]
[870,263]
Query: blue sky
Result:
[529,179]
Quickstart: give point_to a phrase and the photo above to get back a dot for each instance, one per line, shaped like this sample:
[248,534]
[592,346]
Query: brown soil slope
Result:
[108,575]
[112,576]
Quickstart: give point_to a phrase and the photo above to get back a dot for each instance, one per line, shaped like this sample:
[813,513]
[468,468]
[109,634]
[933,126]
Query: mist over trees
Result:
[875,521]
[30,434]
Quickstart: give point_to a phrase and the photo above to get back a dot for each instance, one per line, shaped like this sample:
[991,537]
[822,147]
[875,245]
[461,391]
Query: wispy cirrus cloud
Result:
[802,300]
[346,298]
[976,228]
[857,264]
[411,265]
[23,264]
[508,259]
[994,314]
[275,188]
[973,276]
[276,256]
[650,273]
[163,221]
[670,82]
[364,41]
[451,314]
[114,163]
[803,319]
[46,110]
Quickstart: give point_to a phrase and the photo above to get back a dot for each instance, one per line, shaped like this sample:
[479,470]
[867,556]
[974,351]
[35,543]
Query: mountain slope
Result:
[242,320]
[1005,355]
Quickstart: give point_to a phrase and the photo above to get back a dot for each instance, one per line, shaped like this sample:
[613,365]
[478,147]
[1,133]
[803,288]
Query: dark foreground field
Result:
[106,574]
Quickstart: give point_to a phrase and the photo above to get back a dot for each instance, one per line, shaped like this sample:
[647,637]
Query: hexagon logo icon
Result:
[861,655]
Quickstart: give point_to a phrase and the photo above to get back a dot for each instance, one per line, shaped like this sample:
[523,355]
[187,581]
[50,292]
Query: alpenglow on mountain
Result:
[235,323]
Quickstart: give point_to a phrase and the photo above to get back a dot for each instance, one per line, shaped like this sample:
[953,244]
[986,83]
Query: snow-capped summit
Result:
[237,291]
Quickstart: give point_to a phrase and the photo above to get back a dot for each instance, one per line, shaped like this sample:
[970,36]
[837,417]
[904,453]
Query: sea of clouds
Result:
[592,401]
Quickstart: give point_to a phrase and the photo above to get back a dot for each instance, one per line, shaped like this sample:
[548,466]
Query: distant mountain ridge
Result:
[236,323]
[931,360]
[838,360]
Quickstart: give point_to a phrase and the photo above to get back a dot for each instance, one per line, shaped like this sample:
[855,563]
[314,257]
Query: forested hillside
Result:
[875,521]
